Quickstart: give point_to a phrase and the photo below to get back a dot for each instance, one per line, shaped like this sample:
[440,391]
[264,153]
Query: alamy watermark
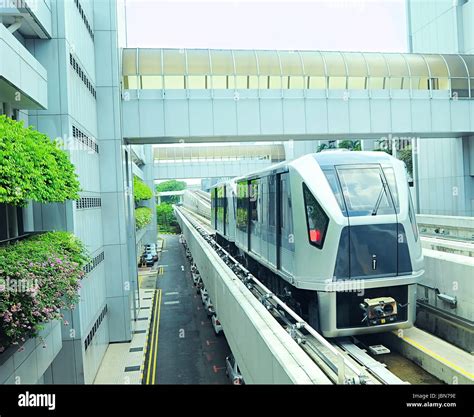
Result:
[22,285]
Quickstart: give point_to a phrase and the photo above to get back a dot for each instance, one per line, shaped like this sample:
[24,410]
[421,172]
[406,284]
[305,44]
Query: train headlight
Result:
[379,310]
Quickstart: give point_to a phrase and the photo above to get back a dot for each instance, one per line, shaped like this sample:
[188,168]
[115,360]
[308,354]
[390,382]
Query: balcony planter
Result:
[32,167]
[143,216]
[39,276]
[141,191]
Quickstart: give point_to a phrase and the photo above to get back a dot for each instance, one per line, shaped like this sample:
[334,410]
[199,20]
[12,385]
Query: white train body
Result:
[338,225]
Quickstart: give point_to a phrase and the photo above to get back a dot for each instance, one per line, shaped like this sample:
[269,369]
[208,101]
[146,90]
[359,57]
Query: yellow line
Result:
[440,358]
[156,342]
[151,345]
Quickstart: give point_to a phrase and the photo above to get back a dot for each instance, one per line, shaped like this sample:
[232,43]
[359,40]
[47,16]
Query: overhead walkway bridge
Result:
[201,95]
[204,161]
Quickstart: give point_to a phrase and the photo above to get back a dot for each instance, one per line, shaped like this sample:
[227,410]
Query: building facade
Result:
[60,73]
[444,165]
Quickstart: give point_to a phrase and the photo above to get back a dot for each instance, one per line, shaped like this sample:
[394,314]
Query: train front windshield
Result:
[364,190]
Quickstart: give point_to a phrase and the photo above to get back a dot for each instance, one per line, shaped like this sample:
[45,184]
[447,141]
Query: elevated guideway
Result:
[264,351]
[435,356]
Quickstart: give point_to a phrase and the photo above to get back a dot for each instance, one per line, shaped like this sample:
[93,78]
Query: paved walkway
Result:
[184,349]
[174,342]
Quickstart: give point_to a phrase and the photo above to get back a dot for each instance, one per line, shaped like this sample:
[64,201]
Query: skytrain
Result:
[334,234]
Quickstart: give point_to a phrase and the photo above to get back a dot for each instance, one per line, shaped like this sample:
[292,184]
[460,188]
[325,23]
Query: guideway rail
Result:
[342,365]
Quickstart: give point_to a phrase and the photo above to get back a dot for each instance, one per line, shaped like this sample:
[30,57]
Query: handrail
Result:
[6,242]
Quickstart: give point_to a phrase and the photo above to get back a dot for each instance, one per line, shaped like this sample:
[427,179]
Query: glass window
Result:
[129,62]
[198,61]
[418,70]
[392,185]
[242,205]
[152,82]
[335,64]
[149,62]
[253,197]
[130,82]
[174,82]
[290,63]
[313,63]
[317,83]
[364,190]
[245,63]
[356,66]
[174,62]
[294,82]
[268,63]
[334,184]
[316,219]
[197,82]
[411,215]
[222,62]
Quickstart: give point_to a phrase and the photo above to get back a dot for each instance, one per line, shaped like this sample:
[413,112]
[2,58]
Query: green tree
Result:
[406,156]
[165,218]
[352,145]
[171,185]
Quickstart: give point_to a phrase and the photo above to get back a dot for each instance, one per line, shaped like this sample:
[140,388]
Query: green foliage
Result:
[141,191]
[353,145]
[171,185]
[39,276]
[323,146]
[33,167]
[406,156]
[142,217]
[165,218]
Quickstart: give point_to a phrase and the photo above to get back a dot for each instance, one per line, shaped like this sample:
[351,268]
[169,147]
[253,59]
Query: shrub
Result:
[141,191]
[39,276]
[32,167]
[165,218]
[142,217]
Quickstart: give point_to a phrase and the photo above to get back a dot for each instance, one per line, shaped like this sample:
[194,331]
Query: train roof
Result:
[324,158]
[338,157]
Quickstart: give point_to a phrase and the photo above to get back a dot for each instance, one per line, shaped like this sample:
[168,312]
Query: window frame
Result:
[326,217]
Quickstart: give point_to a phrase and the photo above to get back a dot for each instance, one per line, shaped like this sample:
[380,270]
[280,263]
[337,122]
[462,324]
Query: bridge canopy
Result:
[144,68]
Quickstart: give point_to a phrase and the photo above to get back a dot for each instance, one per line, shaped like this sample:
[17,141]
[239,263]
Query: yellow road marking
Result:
[152,341]
[157,335]
[440,358]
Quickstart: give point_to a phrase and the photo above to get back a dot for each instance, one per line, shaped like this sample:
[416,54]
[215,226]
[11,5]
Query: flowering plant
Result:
[39,276]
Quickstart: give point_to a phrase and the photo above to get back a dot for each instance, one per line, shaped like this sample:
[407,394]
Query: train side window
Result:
[316,219]
[242,205]
[254,200]
[411,215]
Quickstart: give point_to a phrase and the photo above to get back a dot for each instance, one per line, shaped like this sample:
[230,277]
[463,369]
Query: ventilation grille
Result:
[88,202]
[94,263]
[84,139]
[84,18]
[95,327]
[82,75]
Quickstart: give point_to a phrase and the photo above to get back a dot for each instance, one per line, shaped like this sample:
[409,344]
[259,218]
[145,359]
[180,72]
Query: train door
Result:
[286,239]
[254,216]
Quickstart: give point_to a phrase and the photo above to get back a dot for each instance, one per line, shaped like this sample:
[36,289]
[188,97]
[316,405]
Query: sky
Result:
[346,25]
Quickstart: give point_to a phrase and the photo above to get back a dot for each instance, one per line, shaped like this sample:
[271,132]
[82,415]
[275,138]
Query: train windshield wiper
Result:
[379,198]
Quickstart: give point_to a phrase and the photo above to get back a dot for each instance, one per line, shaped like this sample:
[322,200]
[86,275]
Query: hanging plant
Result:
[32,167]
[141,191]
[142,217]
[39,276]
